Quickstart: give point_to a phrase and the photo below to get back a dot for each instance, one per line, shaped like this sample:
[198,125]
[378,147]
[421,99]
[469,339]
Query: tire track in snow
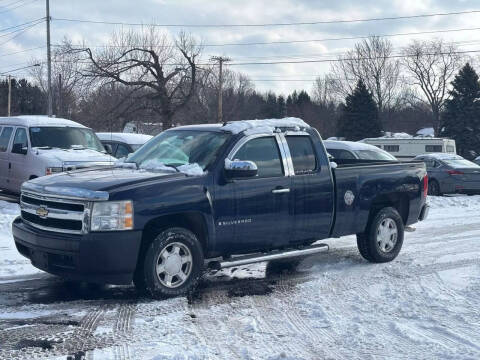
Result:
[205,321]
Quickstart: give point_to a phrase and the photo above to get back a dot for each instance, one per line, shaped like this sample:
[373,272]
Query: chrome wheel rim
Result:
[174,265]
[387,234]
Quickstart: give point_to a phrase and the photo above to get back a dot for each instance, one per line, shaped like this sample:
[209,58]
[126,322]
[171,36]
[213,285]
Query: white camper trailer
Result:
[408,148]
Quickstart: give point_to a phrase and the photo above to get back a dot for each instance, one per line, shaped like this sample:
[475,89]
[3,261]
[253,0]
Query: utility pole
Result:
[220,60]
[9,95]
[59,111]
[49,64]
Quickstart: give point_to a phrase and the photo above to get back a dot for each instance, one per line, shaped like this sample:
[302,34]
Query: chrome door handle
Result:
[280,191]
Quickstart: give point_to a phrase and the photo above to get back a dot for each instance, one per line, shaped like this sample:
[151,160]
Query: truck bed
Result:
[374,181]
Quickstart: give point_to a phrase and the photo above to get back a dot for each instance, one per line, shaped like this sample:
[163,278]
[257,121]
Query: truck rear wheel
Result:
[173,264]
[383,238]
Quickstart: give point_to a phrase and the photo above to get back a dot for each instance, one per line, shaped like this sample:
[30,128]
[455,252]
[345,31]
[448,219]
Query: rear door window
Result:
[302,154]
[5,138]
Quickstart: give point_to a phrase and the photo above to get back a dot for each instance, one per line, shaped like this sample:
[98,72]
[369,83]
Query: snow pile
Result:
[251,127]
[11,262]
[427,132]
[191,169]
[187,169]
[399,135]
[449,202]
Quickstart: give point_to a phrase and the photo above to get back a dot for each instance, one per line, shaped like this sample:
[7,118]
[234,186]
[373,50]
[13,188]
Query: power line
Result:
[21,29]
[340,21]
[22,51]
[353,59]
[19,33]
[295,41]
[20,25]
[18,6]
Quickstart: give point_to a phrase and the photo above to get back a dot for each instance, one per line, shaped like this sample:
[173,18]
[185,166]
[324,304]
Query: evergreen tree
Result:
[360,115]
[461,117]
[282,106]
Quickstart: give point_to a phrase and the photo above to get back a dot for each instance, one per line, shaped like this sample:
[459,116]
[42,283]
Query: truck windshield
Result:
[180,147]
[65,138]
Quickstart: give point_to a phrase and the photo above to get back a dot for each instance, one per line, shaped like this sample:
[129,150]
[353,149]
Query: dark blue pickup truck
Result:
[214,196]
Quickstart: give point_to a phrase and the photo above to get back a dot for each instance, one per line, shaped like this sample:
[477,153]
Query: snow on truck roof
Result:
[250,127]
[37,120]
[129,138]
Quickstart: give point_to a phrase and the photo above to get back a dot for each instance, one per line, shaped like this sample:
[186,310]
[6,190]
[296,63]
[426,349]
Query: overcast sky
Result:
[241,12]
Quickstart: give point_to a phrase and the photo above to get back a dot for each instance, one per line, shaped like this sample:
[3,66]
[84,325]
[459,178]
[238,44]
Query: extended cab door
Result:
[255,213]
[5,136]
[19,152]
[312,189]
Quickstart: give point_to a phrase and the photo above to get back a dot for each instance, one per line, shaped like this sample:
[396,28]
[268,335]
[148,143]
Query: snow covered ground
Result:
[423,305]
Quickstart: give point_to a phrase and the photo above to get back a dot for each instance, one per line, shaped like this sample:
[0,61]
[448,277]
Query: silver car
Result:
[451,174]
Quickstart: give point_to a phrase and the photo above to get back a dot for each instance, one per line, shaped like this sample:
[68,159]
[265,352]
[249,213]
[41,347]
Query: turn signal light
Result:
[455,172]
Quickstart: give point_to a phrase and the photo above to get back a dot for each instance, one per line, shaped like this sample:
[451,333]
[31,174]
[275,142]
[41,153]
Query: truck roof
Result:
[38,120]
[129,138]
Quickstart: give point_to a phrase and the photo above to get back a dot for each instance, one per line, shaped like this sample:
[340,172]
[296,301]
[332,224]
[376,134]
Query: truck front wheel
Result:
[173,264]
[383,238]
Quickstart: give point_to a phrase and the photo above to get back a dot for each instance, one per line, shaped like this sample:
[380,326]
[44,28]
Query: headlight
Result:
[53,170]
[112,216]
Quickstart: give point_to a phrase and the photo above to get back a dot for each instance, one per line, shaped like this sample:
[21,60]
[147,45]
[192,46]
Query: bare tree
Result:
[68,82]
[150,60]
[323,90]
[370,61]
[432,64]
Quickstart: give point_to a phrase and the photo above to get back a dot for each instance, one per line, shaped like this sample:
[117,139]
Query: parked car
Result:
[409,147]
[34,146]
[218,196]
[120,145]
[477,160]
[451,174]
[350,150]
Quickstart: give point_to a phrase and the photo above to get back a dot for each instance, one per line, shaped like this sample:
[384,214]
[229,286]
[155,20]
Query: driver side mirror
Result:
[240,169]
[19,149]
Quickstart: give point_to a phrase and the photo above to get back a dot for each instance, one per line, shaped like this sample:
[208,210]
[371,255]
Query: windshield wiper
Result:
[172,166]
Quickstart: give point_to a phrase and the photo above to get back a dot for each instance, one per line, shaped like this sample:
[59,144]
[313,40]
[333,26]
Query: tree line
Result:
[147,77]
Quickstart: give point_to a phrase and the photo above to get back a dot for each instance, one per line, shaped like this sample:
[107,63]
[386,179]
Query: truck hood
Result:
[99,179]
[74,155]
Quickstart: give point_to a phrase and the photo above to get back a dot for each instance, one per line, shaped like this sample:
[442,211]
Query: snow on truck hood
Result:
[74,155]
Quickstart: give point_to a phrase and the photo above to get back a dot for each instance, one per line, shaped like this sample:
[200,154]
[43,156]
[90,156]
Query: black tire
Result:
[434,188]
[362,246]
[282,266]
[167,241]
[370,246]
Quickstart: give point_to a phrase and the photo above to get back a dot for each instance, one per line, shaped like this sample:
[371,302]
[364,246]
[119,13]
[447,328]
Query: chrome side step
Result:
[274,255]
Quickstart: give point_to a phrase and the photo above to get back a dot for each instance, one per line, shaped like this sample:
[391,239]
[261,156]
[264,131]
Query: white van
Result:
[34,146]
[408,148]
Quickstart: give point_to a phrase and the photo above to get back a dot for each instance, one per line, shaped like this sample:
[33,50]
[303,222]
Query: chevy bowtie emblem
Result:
[42,211]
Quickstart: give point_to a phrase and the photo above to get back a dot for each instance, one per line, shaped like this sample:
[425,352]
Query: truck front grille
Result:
[54,214]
